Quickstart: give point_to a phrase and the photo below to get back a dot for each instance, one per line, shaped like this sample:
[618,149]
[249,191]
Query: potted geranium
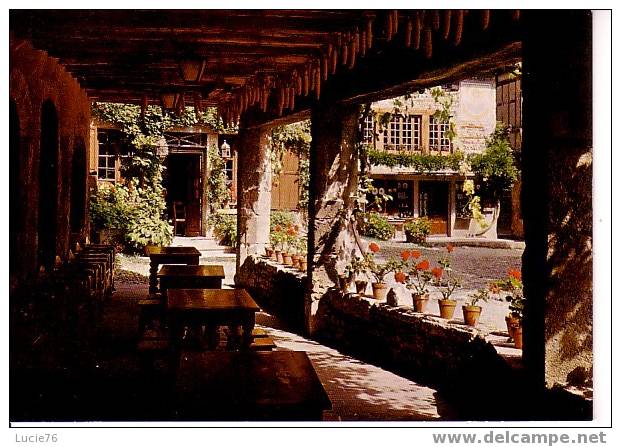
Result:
[302,250]
[378,270]
[471,311]
[277,239]
[354,269]
[446,285]
[288,243]
[513,285]
[418,278]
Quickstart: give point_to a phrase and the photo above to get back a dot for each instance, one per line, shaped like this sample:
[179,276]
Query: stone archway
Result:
[48,185]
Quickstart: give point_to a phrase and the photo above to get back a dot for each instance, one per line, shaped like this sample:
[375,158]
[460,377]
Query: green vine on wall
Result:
[418,161]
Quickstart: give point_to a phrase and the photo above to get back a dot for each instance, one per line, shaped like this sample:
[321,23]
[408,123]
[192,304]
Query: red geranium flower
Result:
[513,273]
[405,255]
[450,248]
[422,265]
[400,277]
[437,272]
[415,254]
[291,231]
[374,247]
[277,228]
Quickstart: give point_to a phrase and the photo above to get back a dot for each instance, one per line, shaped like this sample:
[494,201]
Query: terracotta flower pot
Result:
[269,252]
[302,263]
[419,302]
[380,290]
[344,283]
[278,254]
[286,258]
[511,321]
[471,314]
[517,335]
[361,286]
[447,308]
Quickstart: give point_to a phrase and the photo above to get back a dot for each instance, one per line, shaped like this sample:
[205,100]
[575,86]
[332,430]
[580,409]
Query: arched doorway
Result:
[15,196]
[48,184]
[78,186]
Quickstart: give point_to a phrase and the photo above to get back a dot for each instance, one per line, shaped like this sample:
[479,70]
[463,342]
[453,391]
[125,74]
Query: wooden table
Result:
[213,308]
[238,386]
[169,255]
[190,277]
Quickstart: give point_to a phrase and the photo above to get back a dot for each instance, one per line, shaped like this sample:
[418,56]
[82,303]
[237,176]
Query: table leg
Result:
[153,276]
[213,337]
[175,327]
[247,327]
[235,337]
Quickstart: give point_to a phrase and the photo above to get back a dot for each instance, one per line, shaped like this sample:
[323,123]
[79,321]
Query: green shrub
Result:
[224,227]
[374,225]
[417,230]
[135,213]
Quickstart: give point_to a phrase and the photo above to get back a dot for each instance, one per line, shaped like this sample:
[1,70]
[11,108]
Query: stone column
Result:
[254,192]
[333,181]
[557,197]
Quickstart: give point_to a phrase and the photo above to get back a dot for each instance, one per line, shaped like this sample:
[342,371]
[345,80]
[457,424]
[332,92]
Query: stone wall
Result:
[278,290]
[35,78]
[426,348]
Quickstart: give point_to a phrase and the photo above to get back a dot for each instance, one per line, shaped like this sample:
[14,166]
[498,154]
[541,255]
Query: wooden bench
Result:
[262,344]
[153,345]
[258,333]
[150,310]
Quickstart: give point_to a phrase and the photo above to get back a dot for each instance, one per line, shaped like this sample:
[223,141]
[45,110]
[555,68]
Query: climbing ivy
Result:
[218,193]
[139,203]
[495,169]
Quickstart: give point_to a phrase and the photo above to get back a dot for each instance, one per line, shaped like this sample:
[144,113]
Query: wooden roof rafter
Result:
[260,59]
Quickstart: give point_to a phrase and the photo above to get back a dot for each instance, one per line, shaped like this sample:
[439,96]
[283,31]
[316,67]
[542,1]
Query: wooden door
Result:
[433,203]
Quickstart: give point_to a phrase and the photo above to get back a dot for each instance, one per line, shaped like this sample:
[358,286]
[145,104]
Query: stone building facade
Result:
[412,128]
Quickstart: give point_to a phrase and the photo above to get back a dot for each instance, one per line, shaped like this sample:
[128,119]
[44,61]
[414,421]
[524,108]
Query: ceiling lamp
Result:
[169,100]
[192,70]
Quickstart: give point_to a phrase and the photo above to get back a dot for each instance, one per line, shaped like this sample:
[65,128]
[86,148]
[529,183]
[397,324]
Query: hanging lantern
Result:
[192,70]
[169,100]
[225,150]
